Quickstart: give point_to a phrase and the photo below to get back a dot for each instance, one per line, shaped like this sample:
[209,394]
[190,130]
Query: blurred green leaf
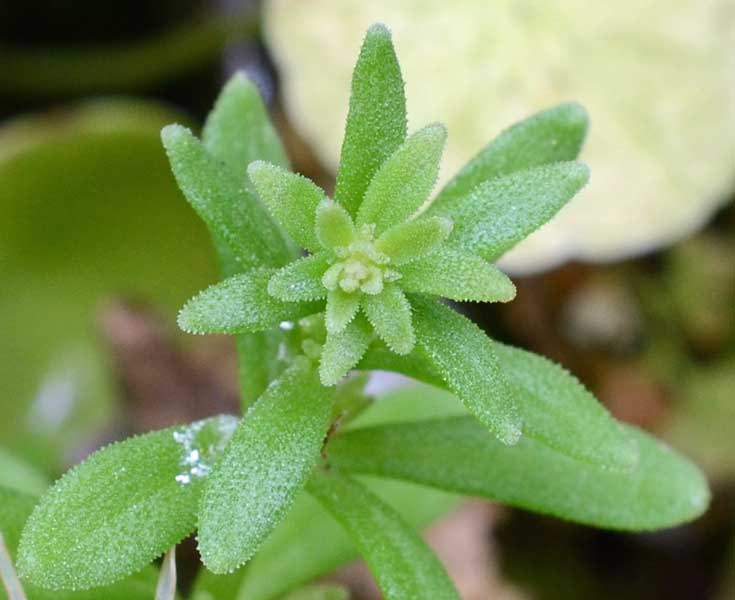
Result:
[403,182]
[402,564]
[268,460]
[73,187]
[376,121]
[499,213]
[664,490]
[553,135]
[18,475]
[122,507]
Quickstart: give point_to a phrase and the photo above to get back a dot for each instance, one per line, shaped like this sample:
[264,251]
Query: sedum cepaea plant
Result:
[318,291]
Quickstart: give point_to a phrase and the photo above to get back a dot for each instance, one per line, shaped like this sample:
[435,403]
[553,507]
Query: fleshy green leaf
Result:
[334,226]
[499,213]
[238,130]
[15,508]
[238,304]
[291,199]
[412,239]
[664,490]
[465,359]
[404,181]
[268,460]
[342,351]
[300,280]
[230,210]
[390,315]
[458,275]
[376,122]
[122,507]
[309,544]
[553,135]
[403,566]
[341,309]
[557,410]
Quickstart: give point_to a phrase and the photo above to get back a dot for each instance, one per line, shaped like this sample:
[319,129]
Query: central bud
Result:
[359,266]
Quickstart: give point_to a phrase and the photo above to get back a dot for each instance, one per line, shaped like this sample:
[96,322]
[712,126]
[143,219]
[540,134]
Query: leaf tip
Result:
[379,30]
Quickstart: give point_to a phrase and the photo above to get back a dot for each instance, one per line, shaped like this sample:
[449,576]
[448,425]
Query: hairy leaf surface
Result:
[560,412]
[553,135]
[464,357]
[122,507]
[376,121]
[499,213]
[404,181]
[224,203]
[291,199]
[267,461]
[458,454]
[402,564]
[239,304]
[457,275]
[238,130]
[300,280]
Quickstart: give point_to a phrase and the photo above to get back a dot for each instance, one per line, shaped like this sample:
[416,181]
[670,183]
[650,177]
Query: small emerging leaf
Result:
[334,226]
[500,212]
[457,275]
[342,351]
[300,280]
[664,489]
[291,199]
[376,122]
[464,357]
[230,210]
[268,460]
[238,130]
[239,304]
[553,135]
[403,566]
[413,239]
[390,315]
[404,181]
[341,309]
[122,507]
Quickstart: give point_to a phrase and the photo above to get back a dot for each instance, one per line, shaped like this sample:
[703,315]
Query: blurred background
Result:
[632,287]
